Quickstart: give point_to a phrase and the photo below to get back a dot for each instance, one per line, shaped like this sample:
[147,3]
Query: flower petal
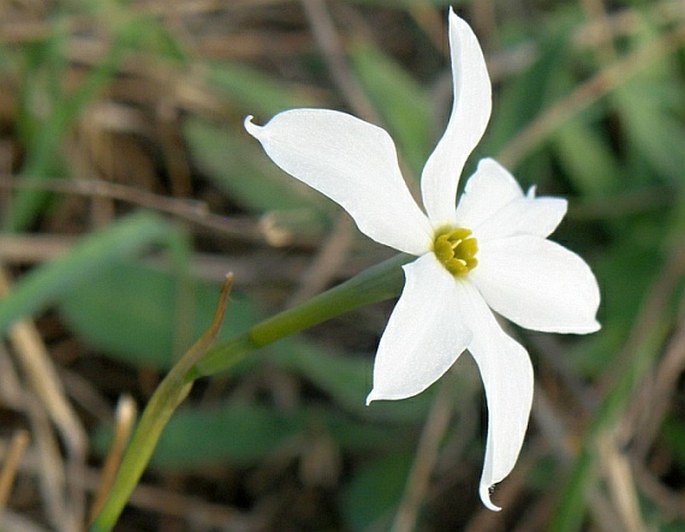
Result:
[355,164]
[537,284]
[424,336]
[488,190]
[524,216]
[507,376]
[468,119]
[494,206]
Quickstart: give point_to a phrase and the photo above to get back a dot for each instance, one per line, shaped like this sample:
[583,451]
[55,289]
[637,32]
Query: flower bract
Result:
[489,253]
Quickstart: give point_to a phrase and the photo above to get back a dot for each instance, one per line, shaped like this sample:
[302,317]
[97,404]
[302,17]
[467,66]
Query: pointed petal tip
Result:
[375,395]
[249,126]
[485,498]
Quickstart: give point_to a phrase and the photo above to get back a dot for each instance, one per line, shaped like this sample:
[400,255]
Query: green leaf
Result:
[401,102]
[147,317]
[243,435]
[370,499]
[255,92]
[587,159]
[237,165]
[92,256]
[650,126]
[45,134]
[347,380]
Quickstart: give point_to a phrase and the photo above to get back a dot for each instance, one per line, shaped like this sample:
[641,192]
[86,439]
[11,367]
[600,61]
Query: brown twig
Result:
[190,210]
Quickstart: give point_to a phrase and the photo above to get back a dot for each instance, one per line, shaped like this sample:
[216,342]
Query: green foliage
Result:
[619,158]
[402,104]
[231,160]
[374,492]
[161,313]
[90,258]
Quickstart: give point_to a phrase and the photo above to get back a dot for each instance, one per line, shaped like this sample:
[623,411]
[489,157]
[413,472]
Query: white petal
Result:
[524,216]
[424,336]
[487,191]
[507,376]
[470,114]
[493,206]
[355,164]
[537,284]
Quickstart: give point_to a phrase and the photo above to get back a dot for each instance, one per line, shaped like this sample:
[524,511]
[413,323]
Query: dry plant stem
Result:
[151,498]
[669,502]
[620,482]
[42,375]
[596,13]
[51,471]
[432,23]
[326,262]
[327,39]
[16,450]
[587,93]
[426,458]
[125,418]
[190,210]
[639,347]
[651,404]
[168,395]
[648,319]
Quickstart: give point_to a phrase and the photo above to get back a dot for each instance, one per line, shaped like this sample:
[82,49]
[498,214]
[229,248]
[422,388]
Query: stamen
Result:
[456,250]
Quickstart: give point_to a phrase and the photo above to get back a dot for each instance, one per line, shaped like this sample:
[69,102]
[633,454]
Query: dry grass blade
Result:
[620,482]
[651,403]
[327,38]
[426,458]
[18,445]
[45,383]
[189,210]
[327,262]
[125,418]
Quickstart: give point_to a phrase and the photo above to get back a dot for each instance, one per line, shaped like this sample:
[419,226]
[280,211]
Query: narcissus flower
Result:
[490,253]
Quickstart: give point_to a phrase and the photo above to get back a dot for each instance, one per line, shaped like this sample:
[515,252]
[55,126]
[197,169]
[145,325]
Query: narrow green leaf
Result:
[587,159]
[93,255]
[401,102]
[45,139]
[147,317]
[235,162]
[255,92]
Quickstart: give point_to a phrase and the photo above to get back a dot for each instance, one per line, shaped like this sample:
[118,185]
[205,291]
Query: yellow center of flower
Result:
[456,249]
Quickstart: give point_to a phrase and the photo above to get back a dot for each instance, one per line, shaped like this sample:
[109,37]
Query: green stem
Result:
[169,394]
[378,283]
[375,284]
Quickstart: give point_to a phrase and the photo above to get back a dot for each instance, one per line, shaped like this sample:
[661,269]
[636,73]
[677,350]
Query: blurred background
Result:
[128,188]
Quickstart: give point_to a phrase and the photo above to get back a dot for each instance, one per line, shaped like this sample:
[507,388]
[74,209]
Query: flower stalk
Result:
[169,394]
[378,283]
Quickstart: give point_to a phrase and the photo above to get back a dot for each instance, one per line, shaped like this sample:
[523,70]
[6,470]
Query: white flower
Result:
[491,252]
